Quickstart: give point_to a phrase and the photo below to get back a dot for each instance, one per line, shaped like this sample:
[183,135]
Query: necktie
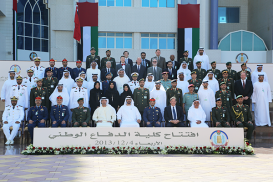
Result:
[174,114]
[30,79]
[138,68]
[18,87]
[108,70]
[37,68]
[135,83]
[143,63]
[154,71]
[170,71]
[13,107]
[79,89]
[244,85]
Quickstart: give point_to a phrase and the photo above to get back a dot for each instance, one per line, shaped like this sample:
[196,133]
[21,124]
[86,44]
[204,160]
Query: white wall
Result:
[204,23]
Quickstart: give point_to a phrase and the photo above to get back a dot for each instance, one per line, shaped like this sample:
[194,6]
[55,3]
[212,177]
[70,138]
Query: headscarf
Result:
[95,89]
[199,111]
[204,53]
[127,93]
[161,88]
[104,98]
[132,103]
[202,87]
[55,94]
[125,75]
[111,90]
[213,77]
[256,70]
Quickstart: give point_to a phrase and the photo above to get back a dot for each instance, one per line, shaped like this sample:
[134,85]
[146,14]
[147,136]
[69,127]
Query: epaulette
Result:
[84,87]
[14,85]
[42,67]
[20,106]
[23,85]
[7,105]
[25,77]
[33,88]
[73,87]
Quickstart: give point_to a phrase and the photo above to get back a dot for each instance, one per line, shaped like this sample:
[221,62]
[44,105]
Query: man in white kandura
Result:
[128,114]
[105,115]
[258,71]
[5,92]
[207,98]
[197,116]
[187,73]
[67,81]
[159,94]
[213,83]
[203,57]
[12,116]
[149,83]
[261,97]
[93,70]
[60,90]
[121,79]
[182,83]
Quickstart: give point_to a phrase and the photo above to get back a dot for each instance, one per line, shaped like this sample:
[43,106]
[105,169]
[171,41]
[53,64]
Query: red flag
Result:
[88,14]
[14,5]
[188,15]
[77,29]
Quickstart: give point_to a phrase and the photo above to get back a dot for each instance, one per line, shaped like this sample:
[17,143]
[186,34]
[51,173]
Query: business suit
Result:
[168,116]
[127,69]
[171,75]
[128,61]
[90,59]
[76,71]
[238,90]
[104,71]
[158,74]
[146,63]
[175,65]
[141,72]
[161,62]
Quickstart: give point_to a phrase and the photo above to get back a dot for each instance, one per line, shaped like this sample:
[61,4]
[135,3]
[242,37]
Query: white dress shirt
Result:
[243,82]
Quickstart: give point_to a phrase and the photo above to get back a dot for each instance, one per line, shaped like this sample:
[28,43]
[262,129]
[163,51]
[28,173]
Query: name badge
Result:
[223,115]
[227,99]
[145,97]
[63,114]
[228,87]
[21,94]
[52,86]
[205,99]
[85,110]
[196,88]
[215,76]
[36,113]
[43,97]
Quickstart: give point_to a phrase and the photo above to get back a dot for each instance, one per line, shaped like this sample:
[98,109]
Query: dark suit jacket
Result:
[161,63]
[142,71]
[168,114]
[75,72]
[158,75]
[104,71]
[127,69]
[171,76]
[238,90]
[129,62]
[147,62]
[175,65]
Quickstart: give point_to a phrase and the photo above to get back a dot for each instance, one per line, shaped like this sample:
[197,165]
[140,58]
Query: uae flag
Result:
[188,29]
[14,8]
[88,18]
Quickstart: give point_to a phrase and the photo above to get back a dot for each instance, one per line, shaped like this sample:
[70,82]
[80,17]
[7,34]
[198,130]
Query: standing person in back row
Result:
[188,60]
[244,87]
[108,58]
[155,70]
[65,67]
[92,57]
[202,57]
[161,62]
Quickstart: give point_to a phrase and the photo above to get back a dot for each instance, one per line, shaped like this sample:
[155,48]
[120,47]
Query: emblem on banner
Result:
[241,58]
[219,138]
[16,68]
[32,56]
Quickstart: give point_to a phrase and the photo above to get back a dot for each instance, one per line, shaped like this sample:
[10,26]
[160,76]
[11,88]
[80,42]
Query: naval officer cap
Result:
[37,80]
[13,98]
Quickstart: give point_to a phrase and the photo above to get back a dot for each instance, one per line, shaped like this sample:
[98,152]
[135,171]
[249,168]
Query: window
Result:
[119,3]
[242,41]
[228,15]
[157,41]
[32,25]
[158,3]
[116,40]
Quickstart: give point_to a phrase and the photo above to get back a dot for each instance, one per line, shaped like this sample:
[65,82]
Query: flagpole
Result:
[75,44]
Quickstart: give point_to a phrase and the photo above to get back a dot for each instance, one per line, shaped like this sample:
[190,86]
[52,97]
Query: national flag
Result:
[77,30]
[188,29]
[14,8]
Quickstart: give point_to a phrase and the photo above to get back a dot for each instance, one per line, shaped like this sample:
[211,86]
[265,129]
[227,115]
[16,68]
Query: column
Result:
[213,24]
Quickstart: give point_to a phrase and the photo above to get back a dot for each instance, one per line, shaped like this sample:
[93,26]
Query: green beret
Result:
[228,63]
[222,83]
[142,79]
[80,99]
[194,72]
[239,96]
[212,62]
[198,62]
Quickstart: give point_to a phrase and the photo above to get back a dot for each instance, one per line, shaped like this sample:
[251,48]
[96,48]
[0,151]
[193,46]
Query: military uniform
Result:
[248,74]
[217,73]
[220,115]
[152,115]
[80,115]
[43,93]
[226,98]
[166,84]
[20,92]
[50,84]
[90,59]
[39,71]
[177,93]
[141,98]
[188,98]
[59,114]
[36,114]
[231,74]
[133,85]
[105,59]
[230,85]
[55,71]
[242,114]
[201,73]
[30,83]
[197,83]
[189,61]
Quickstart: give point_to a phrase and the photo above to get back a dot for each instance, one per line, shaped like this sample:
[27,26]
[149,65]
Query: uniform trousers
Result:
[10,135]
[33,125]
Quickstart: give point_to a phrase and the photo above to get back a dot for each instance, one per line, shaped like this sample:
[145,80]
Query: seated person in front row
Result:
[80,115]
[37,116]
[12,116]
[241,114]
[128,114]
[173,115]
[59,113]
[197,116]
[152,115]
[220,115]
[105,115]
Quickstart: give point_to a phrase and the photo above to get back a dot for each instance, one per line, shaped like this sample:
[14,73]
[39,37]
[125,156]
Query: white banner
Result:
[136,137]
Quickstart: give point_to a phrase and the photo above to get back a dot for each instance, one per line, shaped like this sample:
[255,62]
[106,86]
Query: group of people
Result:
[181,93]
